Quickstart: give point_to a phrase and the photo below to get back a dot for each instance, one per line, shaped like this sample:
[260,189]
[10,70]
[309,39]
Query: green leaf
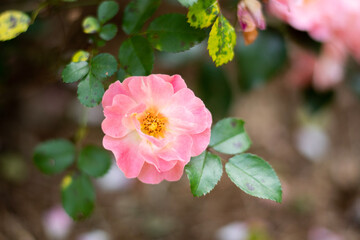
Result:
[187,3]
[75,71]
[204,172]
[121,75]
[136,56]
[103,65]
[136,13]
[12,23]
[90,95]
[222,40]
[90,25]
[171,33]
[215,90]
[261,60]
[254,176]
[94,161]
[107,10]
[77,195]
[80,56]
[54,156]
[108,31]
[203,13]
[229,136]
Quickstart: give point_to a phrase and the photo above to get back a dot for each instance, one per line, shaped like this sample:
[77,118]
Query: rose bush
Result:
[154,125]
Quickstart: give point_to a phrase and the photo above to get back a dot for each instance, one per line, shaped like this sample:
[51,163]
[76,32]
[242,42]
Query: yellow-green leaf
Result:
[203,13]
[12,23]
[90,25]
[80,56]
[222,40]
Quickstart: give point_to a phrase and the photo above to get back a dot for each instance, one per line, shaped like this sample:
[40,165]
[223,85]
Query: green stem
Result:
[37,11]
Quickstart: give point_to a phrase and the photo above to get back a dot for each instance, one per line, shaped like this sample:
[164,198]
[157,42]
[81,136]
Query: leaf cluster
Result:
[77,192]
[249,172]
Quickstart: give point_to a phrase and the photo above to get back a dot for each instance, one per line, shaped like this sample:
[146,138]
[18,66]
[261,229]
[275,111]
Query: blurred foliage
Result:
[315,101]
[78,196]
[260,61]
[215,90]
[303,39]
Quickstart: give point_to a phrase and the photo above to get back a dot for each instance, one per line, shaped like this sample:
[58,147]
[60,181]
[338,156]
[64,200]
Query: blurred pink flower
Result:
[333,22]
[153,125]
[250,17]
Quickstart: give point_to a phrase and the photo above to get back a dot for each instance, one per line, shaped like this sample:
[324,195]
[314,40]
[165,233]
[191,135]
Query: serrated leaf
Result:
[229,136]
[107,10]
[222,40]
[203,13]
[103,65]
[80,56]
[108,31]
[12,23]
[187,3]
[90,25]
[94,161]
[136,13]
[171,33]
[54,156]
[204,172]
[260,61]
[90,92]
[136,56]
[254,176]
[74,71]
[78,197]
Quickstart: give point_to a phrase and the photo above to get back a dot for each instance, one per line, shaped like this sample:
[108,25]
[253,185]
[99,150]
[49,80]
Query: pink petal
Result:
[127,154]
[255,10]
[200,142]
[201,116]
[181,120]
[113,90]
[150,175]
[120,106]
[180,149]
[113,127]
[175,173]
[176,80]
[245,19]
[160,165]
[151,90]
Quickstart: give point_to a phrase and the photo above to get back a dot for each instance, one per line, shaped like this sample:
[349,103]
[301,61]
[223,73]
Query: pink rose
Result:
[154,125]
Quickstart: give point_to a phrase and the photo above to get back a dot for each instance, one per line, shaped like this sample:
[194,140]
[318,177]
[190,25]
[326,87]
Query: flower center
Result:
[153,124]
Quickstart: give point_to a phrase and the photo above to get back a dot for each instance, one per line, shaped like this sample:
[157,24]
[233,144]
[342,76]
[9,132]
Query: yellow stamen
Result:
[153,123]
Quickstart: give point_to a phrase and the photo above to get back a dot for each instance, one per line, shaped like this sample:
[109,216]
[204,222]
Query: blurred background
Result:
[310,136]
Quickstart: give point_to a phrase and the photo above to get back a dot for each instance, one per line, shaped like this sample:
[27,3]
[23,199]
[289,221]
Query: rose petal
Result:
[151,90]
[175,80]
[113,90]
[175,173]
[179,149]
[200,142]
[127,154]
[150,175]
